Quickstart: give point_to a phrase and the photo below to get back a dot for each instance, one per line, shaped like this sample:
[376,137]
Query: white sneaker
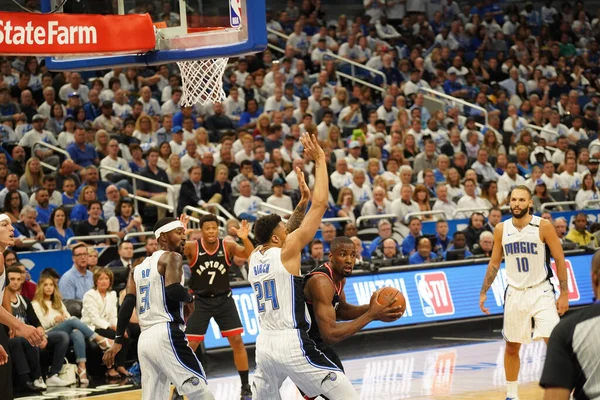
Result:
[39,383]
[55,381]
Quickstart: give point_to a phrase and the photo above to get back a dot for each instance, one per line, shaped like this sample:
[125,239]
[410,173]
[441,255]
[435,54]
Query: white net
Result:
[202,81]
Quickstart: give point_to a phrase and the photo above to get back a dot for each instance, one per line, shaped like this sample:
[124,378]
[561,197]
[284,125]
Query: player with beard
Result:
[526,243]
[326,301]
[34,336]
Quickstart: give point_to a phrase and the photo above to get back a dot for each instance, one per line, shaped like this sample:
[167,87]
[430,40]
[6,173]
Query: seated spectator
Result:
[28,227]
[542,196]
[474,229]
[54,196]
[423,254]
[93,226]
[316,255]
[28,287]
[346,203]
[421,197]
[361,254]
[150,190]
[92,179]
[220,190]
[489,194]
[36,135]
[328,232]
[113,160]
[145,132]
[494,218]
[246,206]
[99,312]
[113,195]
[483,167]
[560,226]
[13,204]
[384,231]
[65,172]
[53,316]
[588,192]
[485,244]
[579,233]
[389,250]
[193,191]
[442,239]
[360,188]
[378,205]
[175,171]
[59,226]
[279,199]
[83,154]
[25,357]
[80,211]
[43,208]
[443,203]
[32,179]
[246,174]
[459,241]
[124,221]
[409,244]
[404,205]
[137,162]
[470,201]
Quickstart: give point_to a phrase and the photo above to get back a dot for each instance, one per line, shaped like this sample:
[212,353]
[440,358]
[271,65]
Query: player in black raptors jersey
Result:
[326,301]
[209,259]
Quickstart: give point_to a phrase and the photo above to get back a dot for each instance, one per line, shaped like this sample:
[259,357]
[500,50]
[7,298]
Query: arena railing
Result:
[540,129]
[435,94]
[91,237]
[592,201]
[54,148]
[275,208]
[46,241]
[138,234]
[421,213]
[222,220]
[135,178]
[557,203]
[372,217]
[457,211]
[353,65]
[221,209]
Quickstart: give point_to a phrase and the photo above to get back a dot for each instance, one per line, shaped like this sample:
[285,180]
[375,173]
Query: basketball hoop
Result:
[202,81]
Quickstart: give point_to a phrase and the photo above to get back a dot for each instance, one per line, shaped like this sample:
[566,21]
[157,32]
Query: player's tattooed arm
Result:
[298,215]
[490,276]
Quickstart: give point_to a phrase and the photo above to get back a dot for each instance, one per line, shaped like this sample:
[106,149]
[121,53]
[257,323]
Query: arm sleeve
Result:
[124,316]
[559,369]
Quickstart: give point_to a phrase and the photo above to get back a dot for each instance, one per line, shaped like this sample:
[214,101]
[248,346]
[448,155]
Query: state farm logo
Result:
[434,293]
[571,282]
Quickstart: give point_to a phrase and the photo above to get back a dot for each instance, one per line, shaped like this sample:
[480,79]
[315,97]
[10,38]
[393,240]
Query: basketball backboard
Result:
[207,29]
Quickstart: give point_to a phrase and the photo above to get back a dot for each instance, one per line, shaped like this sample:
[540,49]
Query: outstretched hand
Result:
[312,147]
[243,231]
[302,185]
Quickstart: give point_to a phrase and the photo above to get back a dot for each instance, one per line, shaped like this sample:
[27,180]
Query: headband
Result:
[171,226]
[4,217]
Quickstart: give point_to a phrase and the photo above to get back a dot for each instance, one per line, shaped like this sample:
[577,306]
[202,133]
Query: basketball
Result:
[388,293]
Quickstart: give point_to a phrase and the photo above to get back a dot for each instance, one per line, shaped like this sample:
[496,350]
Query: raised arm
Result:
[237,250]
[298,239]
[493,267]
[298,215]
[549,236]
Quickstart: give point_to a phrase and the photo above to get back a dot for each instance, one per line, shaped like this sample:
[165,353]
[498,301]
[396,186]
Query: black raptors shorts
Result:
[222,308]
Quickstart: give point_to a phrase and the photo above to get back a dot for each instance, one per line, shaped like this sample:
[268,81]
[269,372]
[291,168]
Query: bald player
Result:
[526,242]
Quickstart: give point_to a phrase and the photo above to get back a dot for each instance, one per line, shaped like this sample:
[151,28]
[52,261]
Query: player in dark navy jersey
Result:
[326,301]
[210,259]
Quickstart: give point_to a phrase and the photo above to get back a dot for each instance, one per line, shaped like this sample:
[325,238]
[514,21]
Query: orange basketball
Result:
[388,293]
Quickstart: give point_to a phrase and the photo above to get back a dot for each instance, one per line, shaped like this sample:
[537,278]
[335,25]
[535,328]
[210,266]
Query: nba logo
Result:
[235,13]
[434,293]
[571,282]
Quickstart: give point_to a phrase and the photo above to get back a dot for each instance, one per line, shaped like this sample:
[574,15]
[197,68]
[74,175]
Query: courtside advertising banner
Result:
[70,34]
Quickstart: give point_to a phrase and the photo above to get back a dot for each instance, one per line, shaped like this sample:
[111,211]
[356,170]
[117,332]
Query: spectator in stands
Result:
[59,226]
[54,196]
[28,226]
[137,163]
[384,231]
[279,199]
[193,191]
[494,218]
[443,203]
[83,154]
[588,192]
[93,226]
[483,167]
[246,206]
[560,226]
[316,255]
[25,357]
[489,194]
[32,179]
[54,316]
[246,174]
[99,312]
[37,135]
[44,209]
[442,240]
[379,204]
[423,254]
[68,197]
[328,233]
[13,204]
[470,200]
[361,190]
[361,256]
[221,187]
[459,243]
[19,158]
[474,229]
[113,196]
[404,205]
[542,196]
[151,190]
[124,221]
[485,244]
[80,211]
[27,286]
[388,250]
[427,159]
[579,233]
[409,244]
[113,160]
[341,177]
[66,172]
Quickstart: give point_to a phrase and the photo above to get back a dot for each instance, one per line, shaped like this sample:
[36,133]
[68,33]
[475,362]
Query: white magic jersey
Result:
[526,257]
[279,294]
[153,307]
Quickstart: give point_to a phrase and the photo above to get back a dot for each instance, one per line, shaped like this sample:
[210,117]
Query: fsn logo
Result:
[434,293]
[235,13]
[571,282]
